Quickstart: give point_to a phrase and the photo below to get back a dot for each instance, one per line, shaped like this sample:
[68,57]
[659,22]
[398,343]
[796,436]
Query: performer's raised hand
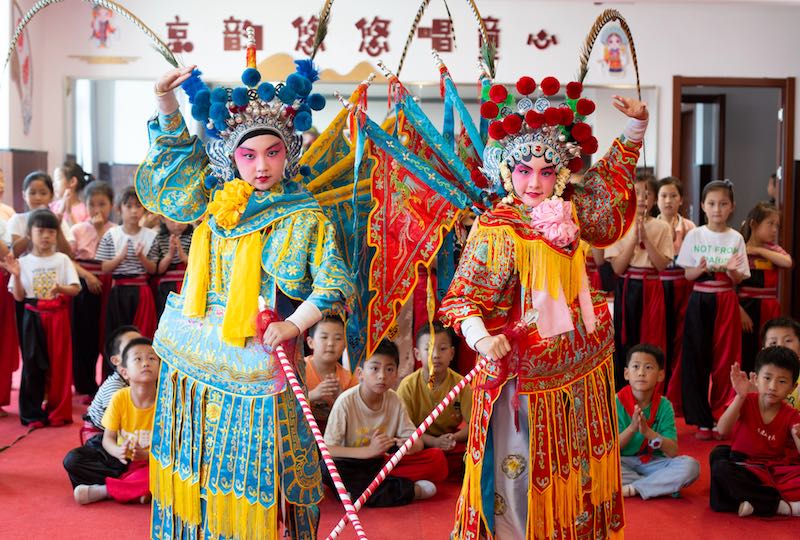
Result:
[493,347]
[631,107]
[172,79]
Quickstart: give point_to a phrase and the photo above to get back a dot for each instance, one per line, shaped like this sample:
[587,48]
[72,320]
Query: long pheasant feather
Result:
[322,27]
[603,19]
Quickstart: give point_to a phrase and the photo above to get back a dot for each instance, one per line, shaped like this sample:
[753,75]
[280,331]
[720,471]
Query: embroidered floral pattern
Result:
[229,203]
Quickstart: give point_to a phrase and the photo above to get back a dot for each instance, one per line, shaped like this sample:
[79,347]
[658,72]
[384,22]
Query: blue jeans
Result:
[659,476]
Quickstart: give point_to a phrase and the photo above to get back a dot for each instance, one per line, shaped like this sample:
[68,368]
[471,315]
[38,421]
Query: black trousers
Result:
[732,484]
[35,365]
[86,310]
[357,475]
[91,464]
[630,305]
[697,357]
[123,301]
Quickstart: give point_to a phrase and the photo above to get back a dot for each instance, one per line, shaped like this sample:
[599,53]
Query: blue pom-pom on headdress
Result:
[305,170]
[306,69]
[287,95]
[219,95]
[200,112]
[251,77]
[266,91]
[202,98]
[210,182]
[304,107]
[193,85]
[218,114]
[302,121]
[316,102]
[239,97]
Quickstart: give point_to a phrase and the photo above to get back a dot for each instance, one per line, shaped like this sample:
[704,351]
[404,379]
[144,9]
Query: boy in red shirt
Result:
[759,472]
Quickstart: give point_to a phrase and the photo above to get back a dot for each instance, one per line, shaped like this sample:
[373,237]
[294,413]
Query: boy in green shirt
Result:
[648,440]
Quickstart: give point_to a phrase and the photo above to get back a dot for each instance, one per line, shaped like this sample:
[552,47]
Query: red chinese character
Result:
[542,40]
[492,34]
[232,34]
[258,31]
[305,34]
[177,36]
[441,34]
[374,36]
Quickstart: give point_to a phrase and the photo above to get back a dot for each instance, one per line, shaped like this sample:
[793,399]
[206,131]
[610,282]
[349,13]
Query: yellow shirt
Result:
[131,423]
[420,401]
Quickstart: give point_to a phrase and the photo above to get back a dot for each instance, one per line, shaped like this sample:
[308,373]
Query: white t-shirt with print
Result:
[716,247]
[40,274]
[18,225]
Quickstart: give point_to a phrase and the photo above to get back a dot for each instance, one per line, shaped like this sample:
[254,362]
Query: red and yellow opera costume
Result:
[565,381]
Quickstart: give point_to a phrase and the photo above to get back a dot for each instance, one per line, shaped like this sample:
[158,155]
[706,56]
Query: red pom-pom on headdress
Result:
[552,116]
[550,86]
[478,179]
[585,107]
[496,130]
[575,164]
[526,85]
[512,124]
[534,119]
[489,110]
[581,131]
[590,145]
[574,90]
[567,116]
[498,93]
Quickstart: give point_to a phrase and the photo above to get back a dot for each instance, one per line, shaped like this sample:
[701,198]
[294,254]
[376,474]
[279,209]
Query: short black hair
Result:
[131,344]
[388,348]
[128,194]
[653,350]
[98,187]
[43,218]
[38,175]
[113,342]
[780,322]
[326,319]
[438,328]
[780,357]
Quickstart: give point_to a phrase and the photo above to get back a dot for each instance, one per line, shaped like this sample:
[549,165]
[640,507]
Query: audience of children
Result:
[68,182]
[759,472]
[648,438]
[172,252]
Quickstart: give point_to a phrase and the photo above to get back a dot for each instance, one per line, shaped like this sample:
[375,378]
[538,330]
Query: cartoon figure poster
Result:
[616,51]
[102,27]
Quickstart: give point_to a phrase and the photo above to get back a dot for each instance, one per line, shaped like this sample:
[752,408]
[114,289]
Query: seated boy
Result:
[325,376]
[419,398]
[128,424]
[784,331]
[648,440]
[759,472]
[369,420]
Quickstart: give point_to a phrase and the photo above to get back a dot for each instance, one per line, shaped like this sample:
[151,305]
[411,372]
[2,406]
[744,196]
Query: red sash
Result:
[628,401]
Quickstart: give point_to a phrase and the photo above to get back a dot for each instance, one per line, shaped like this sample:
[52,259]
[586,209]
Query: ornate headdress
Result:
[232,114]
[532,127]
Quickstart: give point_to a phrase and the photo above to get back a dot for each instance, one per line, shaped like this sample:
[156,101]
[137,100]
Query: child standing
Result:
[37,192]
[88,319]
[759,472]
[43,280]
[673,279]
[648,439]
[325,376]
[68,181]
[129,252]
[173,242]
[365,423]
[128,424]
[638,257]
[449,432]
[713,257]
[784,331]
[758,294]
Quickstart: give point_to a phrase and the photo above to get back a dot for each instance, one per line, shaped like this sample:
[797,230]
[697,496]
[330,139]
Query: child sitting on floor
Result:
[784,331]
[369,420]
[449,431]
[128,424]
[759,472]
[325,376]
[648,440]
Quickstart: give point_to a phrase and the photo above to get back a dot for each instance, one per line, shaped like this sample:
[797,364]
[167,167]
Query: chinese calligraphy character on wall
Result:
[440,33]
[374,35]
[305,34]
[178,36]
[542,40]
[234,34]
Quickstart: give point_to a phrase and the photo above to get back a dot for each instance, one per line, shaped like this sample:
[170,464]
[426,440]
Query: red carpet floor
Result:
[36,502]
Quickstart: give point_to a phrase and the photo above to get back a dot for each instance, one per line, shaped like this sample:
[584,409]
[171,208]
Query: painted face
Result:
[645,199]
[783,336]
[44,240]
[718,207]
[767,231]
[774,384]
[642,372]
[141,364]
[327,342]
[261,161]
[132,211]
[534,180]
[443,352]
[173,226]
[669,200]
[38,195]
[99,205]
[379,373]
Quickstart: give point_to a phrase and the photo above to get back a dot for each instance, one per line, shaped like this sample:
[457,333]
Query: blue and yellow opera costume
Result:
[229,438]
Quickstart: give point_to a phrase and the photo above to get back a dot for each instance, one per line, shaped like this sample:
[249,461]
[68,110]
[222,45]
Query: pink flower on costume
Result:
[553,219]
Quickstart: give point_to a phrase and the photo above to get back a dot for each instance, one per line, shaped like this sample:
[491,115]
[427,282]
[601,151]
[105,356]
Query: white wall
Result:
[689,39]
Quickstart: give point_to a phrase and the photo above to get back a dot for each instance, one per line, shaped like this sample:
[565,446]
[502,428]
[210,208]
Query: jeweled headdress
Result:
[231,114]
[532,127]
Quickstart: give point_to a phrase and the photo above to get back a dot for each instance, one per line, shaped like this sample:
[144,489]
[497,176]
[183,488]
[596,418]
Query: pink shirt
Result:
[77,213]
[86,239]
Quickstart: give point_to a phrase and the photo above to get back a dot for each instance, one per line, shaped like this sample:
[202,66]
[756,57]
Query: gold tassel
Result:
[319,251]
[170,490]
[238,323]
[197,270]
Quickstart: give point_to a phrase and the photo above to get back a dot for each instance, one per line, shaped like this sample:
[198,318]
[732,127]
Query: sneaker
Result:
[423,489]
[628,490]
[745,509]
[86,494]
[703,434]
